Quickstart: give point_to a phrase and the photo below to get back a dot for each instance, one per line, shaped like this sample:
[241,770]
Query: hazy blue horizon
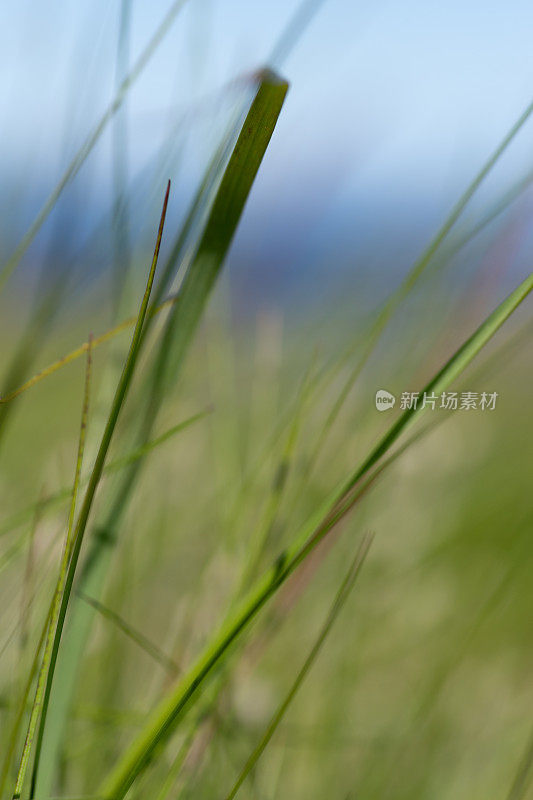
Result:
[391,112]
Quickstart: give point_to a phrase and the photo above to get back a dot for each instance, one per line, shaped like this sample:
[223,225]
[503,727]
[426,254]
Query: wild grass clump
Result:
[166,598]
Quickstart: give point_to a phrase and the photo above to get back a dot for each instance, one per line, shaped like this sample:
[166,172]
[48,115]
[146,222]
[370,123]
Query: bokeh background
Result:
[424,689]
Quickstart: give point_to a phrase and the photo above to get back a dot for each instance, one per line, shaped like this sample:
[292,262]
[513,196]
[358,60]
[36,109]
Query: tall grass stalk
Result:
[171,710]
[392,303]
[463,238]
[340,599]
[90,142]
[69,564]
[50,625]
[136,636]
[218,222]
[524,774]
[115,465]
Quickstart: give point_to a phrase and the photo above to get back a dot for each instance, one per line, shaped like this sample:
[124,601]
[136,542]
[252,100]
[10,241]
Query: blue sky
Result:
[387,99]
[424,81]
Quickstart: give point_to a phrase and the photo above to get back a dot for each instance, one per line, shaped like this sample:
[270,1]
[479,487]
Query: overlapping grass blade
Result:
[49,627]
[136,636]
[164,718]
[79,351]
[69,564]
[121,222]
[340,599]
[90,142]
[218,208]
[261,535]
[21,710]
[291,34]
[115,465]
[462,239]
[389,307]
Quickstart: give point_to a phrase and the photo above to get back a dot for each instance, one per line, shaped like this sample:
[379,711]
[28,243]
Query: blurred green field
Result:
[424,686]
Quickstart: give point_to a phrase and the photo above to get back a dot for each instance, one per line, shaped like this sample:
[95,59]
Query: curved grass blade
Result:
[120,142]
[262,534]
[19,717]
[524,775]
[390,305]
[140,452]
[219,217]
[53,279]
[88,145]
[136,636]
[292,33]
[208,700]
[79,351]
[167,714]
[176,767]
[69,564]
[217,208]
[462,240]
[113,466]
[255,132]
[48,630]
[340,599]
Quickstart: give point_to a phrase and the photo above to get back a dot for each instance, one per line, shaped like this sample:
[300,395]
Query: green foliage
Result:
[193,574]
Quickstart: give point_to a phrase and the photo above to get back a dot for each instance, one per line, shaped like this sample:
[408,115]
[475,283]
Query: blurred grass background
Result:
[424,689]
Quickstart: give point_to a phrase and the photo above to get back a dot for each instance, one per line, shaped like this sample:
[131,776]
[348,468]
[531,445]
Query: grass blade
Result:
[112,466]
[295,28]
[49,627]
[172,708]
[390,305]
[456,245]
[340,599]
[120,142]
[522,780]
[223,215]
[261,535]
[19,717]
[136,636]
[86,148]
[68,572]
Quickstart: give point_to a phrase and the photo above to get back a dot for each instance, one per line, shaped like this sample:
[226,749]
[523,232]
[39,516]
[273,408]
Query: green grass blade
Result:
[107,336]
[340,599]
[175,769]
[120,142]
[225,215]
[115,465]
[423,261]
[136,636]
[221,215]
[221,224]
[68,578]
[293,31]
[387,310]
[522,780]
[19,716]
[89,144]
[260,536]
[172,708]
[390,306]
[50,624]
[140,452]
[204,213]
